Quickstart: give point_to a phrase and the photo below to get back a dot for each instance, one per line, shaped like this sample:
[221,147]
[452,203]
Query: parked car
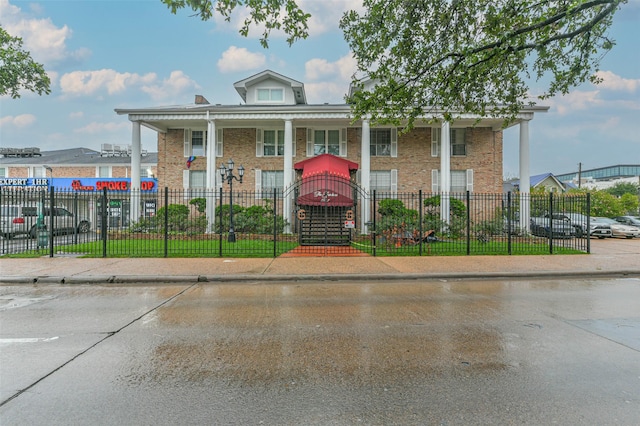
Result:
[617,228]
[628,220]
[548,227]
[23,220]
[579,223]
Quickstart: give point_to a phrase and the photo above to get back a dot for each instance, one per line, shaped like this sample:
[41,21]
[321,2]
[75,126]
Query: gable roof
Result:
[296,86]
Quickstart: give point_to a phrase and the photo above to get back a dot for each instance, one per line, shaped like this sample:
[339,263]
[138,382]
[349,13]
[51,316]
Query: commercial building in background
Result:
[25,173]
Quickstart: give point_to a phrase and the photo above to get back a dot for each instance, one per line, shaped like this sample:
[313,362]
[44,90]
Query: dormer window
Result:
[270,95]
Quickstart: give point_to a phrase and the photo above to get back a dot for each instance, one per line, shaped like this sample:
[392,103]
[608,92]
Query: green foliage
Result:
[456,207]
[200,203]
[178,215]
[470,56]
[18,71]
[605,205]
[282,15]
[621,188]
[629,203]
[250,220]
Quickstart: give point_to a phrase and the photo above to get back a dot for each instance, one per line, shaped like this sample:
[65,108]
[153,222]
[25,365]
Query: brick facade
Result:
[414,161]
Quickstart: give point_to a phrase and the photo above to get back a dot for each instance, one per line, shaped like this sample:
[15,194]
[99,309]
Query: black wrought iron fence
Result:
[216,223]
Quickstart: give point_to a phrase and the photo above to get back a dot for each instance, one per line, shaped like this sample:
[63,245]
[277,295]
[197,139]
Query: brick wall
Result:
[414,162]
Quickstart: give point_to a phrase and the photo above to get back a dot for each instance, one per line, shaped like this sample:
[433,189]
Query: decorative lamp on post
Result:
[227,174]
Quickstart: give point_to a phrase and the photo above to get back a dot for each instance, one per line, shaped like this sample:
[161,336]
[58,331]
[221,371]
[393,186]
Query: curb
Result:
[173,279]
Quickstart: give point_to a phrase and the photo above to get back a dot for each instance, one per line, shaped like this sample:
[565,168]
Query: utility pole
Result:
[579,175]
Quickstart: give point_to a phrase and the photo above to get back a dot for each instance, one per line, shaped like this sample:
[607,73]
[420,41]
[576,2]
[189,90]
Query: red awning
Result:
[326,163]
[326,181]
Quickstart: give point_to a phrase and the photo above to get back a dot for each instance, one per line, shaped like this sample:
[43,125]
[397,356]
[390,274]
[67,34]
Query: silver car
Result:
[23,220]
[617,228]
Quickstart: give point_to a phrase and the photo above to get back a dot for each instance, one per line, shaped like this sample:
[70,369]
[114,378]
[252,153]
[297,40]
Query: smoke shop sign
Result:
[100,184]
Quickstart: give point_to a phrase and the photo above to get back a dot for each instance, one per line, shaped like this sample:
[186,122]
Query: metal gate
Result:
[325,209]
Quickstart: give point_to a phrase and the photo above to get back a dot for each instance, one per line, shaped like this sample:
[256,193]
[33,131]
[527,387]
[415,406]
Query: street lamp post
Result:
[227,174]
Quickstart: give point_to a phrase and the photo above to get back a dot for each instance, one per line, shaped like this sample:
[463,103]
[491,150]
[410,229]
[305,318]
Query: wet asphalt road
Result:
[339,353]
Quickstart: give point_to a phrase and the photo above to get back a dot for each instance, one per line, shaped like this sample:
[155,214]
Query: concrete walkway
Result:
[610,257]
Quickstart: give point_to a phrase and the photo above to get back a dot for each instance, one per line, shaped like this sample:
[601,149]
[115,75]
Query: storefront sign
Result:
[99,184]
[24,182]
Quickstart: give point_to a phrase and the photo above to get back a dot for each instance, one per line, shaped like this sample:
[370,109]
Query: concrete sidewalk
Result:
[610,257]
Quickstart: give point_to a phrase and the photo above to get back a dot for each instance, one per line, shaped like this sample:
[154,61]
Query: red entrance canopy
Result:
[326,181]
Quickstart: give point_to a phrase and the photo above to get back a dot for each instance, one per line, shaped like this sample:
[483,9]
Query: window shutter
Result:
[309,142]
[394,142]
[343,142]
[185,179]
[218,180]
[435,184]
[358,177]
[470,180]
[187,142]
[258,184]
[435,142]
[219,142]
[394,181]
[259,145]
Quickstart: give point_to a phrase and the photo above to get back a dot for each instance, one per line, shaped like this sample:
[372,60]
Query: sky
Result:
[102,55]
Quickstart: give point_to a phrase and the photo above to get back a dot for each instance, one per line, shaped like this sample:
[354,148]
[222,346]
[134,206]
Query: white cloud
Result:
[45,41]
[574,101]
[329,80]
[100,128]
[611,81]
[19,121]
[177,84]
[326,14]
[76,114]
[82,83]
[236,59]
[343,68]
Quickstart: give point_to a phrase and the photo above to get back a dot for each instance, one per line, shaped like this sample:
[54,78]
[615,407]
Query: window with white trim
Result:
[3,172]
[383,143]
[273,143]
[461,180]
[457,141]
[195,143]
[266,181]
[383,181]
[269,95]
[327,141]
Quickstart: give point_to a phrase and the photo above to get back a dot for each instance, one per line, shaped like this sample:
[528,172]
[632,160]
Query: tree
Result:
[471,56]
[621,188]
[450,56]
[282,15]
[18,70]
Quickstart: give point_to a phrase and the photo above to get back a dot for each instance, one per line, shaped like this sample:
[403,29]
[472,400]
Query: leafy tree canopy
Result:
[282,15]
[472,56]
[621,188]
[18,71]
[449,56]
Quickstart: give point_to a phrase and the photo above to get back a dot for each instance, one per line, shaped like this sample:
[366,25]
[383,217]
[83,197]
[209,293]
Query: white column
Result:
[288,172]
[365,174]
[445,171]
[134,194]
[211,175]
[525,181]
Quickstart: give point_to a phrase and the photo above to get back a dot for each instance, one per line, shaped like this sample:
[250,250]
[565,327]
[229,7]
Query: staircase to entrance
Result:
[324,226]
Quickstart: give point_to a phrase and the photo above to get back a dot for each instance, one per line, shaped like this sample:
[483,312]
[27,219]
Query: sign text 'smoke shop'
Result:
[147,185]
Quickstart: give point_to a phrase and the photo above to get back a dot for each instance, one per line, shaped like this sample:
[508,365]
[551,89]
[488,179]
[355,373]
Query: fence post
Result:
[275,222]
[420,218]
[220,225]
[550,222]
[468,223]
[103,222]
[51,219]
[75,218]
[509,222]
[166,221]
[588,223]
[374,234]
